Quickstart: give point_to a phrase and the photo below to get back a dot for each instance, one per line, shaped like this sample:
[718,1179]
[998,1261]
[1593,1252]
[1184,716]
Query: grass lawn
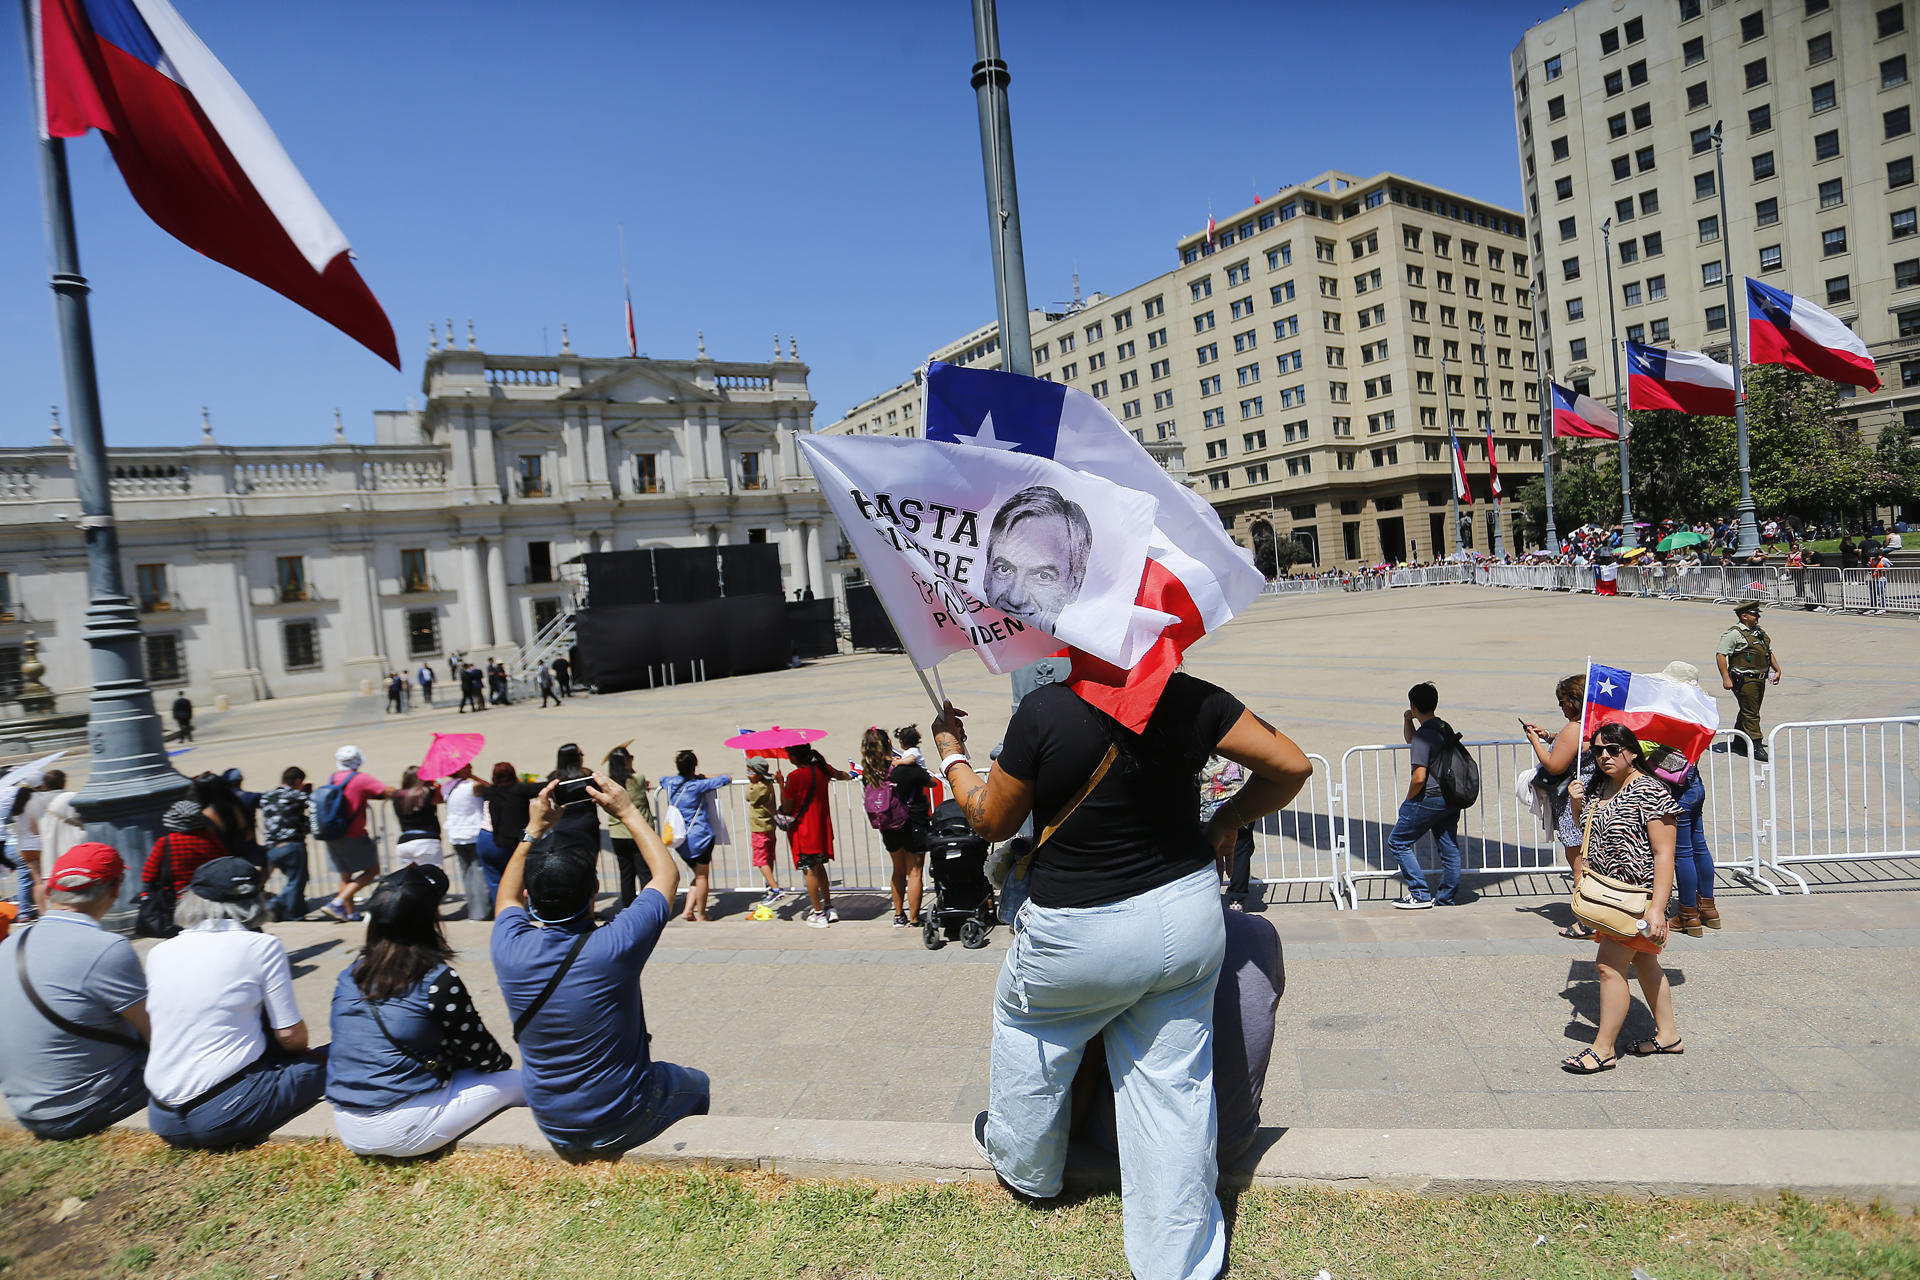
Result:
[124,1205]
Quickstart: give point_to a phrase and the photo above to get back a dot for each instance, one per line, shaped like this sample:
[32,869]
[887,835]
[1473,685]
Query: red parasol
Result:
[448,752]
[772,743]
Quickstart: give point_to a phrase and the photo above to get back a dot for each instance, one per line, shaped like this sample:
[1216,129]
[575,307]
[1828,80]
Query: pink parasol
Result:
[448,752]
[772,743]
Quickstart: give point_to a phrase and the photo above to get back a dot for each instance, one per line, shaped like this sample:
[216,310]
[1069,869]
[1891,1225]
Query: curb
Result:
[1751,1164]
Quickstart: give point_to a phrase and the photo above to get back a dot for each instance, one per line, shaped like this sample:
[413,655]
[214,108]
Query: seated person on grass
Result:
[73,1051]
[574,990]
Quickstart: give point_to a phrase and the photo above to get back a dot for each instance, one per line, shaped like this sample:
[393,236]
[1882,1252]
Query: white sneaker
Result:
[833,916]
[1411,903]
[817,921]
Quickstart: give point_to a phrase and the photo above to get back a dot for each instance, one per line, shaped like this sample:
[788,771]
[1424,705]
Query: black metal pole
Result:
[990,80]
[130,781]
[1546,420]
[1628,536]
[1749,519]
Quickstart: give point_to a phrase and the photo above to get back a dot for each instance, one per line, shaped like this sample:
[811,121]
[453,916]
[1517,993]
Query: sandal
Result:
[1578,932]
[1648,1048]
[1577,1063]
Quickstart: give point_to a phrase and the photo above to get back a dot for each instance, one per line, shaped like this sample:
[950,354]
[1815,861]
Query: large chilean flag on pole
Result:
[195,152]
[1656,709]
[1681,381]
[1461,489]
[1783,329]
[1577,414]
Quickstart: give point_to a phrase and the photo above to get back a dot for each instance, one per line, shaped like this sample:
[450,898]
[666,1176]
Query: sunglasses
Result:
[1609,749]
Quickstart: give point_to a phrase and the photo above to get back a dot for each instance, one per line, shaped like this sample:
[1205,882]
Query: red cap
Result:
[86,864]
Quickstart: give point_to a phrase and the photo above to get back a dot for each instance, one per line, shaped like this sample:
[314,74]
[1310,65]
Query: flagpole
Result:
[1455,472]
[1627,535]
[990,79]
[1749,521]
[1552,542]
[1486,400]
[129,781]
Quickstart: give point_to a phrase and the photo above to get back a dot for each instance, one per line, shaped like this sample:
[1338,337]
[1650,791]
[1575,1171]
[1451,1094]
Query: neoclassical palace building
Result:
[270,570]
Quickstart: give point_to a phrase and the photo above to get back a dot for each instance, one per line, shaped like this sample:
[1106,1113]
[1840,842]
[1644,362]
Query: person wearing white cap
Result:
[344,801]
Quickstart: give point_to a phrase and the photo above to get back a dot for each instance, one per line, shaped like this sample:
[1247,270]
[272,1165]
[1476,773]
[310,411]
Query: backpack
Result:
[332,810]
[886,811]
[1453,767]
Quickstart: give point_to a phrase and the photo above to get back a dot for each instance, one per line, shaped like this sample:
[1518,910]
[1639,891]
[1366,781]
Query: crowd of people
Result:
[479,686]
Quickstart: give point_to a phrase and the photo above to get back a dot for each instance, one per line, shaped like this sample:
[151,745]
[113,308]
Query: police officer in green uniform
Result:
[1747,662]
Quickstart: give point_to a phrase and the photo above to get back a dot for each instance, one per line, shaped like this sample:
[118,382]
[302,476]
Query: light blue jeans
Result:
[1143,972]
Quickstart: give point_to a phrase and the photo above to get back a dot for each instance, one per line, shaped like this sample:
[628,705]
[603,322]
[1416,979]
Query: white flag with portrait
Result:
[1011,555]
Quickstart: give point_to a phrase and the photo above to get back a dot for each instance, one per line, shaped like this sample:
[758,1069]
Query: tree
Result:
[1288,553]
[1898,459]
[1806,459]
[1264,558]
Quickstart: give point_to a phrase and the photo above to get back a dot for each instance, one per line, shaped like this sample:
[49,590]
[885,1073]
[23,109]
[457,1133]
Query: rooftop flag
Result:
[1682,716]
[196,154]
[1680,381]
[1783,329]
[1577,414]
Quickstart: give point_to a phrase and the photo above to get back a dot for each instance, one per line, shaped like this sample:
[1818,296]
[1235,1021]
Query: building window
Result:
[1753,26]
[1898,122]
[1760,119]
[150,586]
[646,473]
[1826,145]
[1716,318]
[1659,331]
[1702,139]
[1763,166]
[1900,172]
[1576,352]
[300,644]
[1694,51]
[1891,21]
[528,479]
[1281,257]
[1201,288]
[1711,273]
[423,632]
[1903,223]
[1622,167]
[1824,97]
[1833,242]
[1839,289]
[1906,273]
[1820,49]
[1649,203]
[1710,228]
[1098,390]
[751,477]
[1210,386]
[1696,96]
[1770,258]
[1560,149]
[1893,72]
[1152,307]
[1832,193]
[1570,269]
[1614,84]
[413,570]
[539,562]
[166,658]
[290,578]
[1630,294]
[1656,288]
[1766,212]
[1299,466]
[1702,185]
[1643,159]
[1238,273]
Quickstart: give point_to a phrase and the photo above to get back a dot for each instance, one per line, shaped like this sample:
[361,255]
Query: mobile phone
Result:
[571,792]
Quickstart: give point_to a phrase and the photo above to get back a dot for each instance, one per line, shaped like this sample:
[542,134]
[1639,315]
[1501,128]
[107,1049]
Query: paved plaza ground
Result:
[1440,1029]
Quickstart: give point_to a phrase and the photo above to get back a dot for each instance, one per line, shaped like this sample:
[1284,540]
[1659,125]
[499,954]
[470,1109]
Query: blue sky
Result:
[802,169]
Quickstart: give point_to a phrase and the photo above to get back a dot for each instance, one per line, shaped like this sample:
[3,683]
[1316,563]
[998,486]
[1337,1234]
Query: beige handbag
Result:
[1603,901]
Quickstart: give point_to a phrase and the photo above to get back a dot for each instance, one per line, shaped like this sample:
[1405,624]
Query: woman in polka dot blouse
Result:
[412,1067]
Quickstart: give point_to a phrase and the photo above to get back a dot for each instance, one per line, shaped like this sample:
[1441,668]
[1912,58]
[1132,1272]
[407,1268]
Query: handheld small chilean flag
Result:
[1682,716]
[1461,489]
[1679,381]
[1783,329]
[1493,470]
[1575,414]
[196,154]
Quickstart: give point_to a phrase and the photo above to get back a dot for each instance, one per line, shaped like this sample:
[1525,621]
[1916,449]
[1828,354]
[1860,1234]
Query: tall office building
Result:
[1299,365]
[1615,103]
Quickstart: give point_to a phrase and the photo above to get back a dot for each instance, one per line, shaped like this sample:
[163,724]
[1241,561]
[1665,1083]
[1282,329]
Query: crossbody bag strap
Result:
[1106,762]
[441,1070]
[539,1001]
[65,1024]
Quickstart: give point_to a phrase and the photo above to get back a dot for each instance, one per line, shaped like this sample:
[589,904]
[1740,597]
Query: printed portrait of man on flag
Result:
[1037,556]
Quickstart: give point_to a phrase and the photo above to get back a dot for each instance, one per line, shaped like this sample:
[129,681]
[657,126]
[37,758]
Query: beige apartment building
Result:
[1299,366]
[1615,104]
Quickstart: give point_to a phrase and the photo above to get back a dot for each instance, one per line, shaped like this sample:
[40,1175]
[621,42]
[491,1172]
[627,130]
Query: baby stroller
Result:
[962,899]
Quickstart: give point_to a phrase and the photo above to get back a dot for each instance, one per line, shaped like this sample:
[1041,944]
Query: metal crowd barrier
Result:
[1835,791]
[1842,791]
[1835,590]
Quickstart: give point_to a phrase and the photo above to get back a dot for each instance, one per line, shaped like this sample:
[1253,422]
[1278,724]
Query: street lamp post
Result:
[1749,521]
[990,79]
[1546,420]
[1627,535]
[1486,405]
[129,781]
[1455,472]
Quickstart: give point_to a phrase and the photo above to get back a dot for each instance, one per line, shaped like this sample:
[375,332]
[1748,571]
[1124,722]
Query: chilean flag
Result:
[1493,471]
[1682,716]
[1195,577]
[1783,329]
[196,153]
[1682,381]
[1461,489]
[1580,415]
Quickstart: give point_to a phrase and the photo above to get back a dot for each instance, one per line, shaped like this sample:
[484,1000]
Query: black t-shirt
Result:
[910,783]
[1140,828]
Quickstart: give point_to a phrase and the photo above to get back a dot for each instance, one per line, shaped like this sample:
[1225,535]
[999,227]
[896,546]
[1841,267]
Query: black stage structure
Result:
[673,615]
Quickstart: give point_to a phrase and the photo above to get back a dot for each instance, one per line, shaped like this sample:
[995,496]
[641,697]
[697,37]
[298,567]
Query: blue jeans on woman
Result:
[493,860]
[1141,972]
[1430,812]
[1692,860]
